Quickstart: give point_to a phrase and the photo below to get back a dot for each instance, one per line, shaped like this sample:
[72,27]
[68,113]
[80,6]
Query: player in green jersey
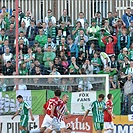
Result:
[97,108]
[23,110]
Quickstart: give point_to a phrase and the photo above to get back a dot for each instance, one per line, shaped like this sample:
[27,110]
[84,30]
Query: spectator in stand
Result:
[107,27]
[65,30]
[58,65]
[128,89]
[39,55]
[62,47]
[28,17]
[13,12]
[12,20]
[73,47]
[90,50]
[112,84]
[123,40]
[76,29]
[130,52]
[29,57]
[58,37]
[116,17]
[73,68]
[6,17]
[7,55]
[22,28]
[80,60]
[81,19]
[81,46]
[3,37]
[22,47]
[110,18]
[50,42]
[110,42]
[37,63]
[121,56]
[55,72]
[114,62]
[8,68]
[119,25]
[31,32]
[99,19]
[88,67]
[84,85]
[45,30]
[131,30]
[50,18]
[35,47]
[92,29]
[52,30]
[126,64]
[105,59]
[11,34]
[21,86]
[48,59]
[37,70]
[96,62]
[32,69]
[64,85]
[21,15]
[41,39]
[22,36]
[99,35]
[23,69]
[2,22]
[129,70]
[81,36]
[127,17]
[65,18]
[65,65]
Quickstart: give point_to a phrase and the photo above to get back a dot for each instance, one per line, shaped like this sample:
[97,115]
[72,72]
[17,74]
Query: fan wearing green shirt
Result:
[41,39]
[23,110]
[98,107]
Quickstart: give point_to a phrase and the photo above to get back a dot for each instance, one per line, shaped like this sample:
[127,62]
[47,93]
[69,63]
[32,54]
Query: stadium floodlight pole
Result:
[16,18]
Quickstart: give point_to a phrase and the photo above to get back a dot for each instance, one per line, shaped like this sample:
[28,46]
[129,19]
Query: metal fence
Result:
[89,7]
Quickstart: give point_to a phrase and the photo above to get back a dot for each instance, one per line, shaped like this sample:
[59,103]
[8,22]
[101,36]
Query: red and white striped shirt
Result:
[52,102]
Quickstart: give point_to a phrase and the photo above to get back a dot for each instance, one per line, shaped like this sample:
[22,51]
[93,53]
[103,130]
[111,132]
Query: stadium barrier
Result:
[122,124]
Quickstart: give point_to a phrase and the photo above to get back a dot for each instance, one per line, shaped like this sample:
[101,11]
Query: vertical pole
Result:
[17,22]
[16,5]
[67,8]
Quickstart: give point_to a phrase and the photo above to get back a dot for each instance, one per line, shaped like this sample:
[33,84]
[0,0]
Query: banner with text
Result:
[7,125]
[81,101]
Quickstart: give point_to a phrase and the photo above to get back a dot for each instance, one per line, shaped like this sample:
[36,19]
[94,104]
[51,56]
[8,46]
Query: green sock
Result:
[23,131]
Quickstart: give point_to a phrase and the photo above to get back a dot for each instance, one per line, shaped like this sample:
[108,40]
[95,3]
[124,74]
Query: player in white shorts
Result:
[108,123]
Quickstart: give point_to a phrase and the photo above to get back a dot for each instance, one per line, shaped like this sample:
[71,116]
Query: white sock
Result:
[35,130]
[108,131]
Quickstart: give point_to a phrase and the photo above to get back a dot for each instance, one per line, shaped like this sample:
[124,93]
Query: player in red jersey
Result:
[50,121]
[108,123]
[63,110]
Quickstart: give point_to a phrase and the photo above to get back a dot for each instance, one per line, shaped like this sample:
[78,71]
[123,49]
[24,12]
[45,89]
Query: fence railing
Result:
[89,7]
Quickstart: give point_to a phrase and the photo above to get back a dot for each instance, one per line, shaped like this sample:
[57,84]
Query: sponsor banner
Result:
[81,101]
[130,117]
[7,125]
[75,122]
[116,101]
[123,125]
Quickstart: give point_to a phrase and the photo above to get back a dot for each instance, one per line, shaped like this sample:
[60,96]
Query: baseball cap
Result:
[125,49]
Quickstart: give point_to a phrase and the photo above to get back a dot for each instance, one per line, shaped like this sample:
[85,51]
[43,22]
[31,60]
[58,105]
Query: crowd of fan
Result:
[104,46]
